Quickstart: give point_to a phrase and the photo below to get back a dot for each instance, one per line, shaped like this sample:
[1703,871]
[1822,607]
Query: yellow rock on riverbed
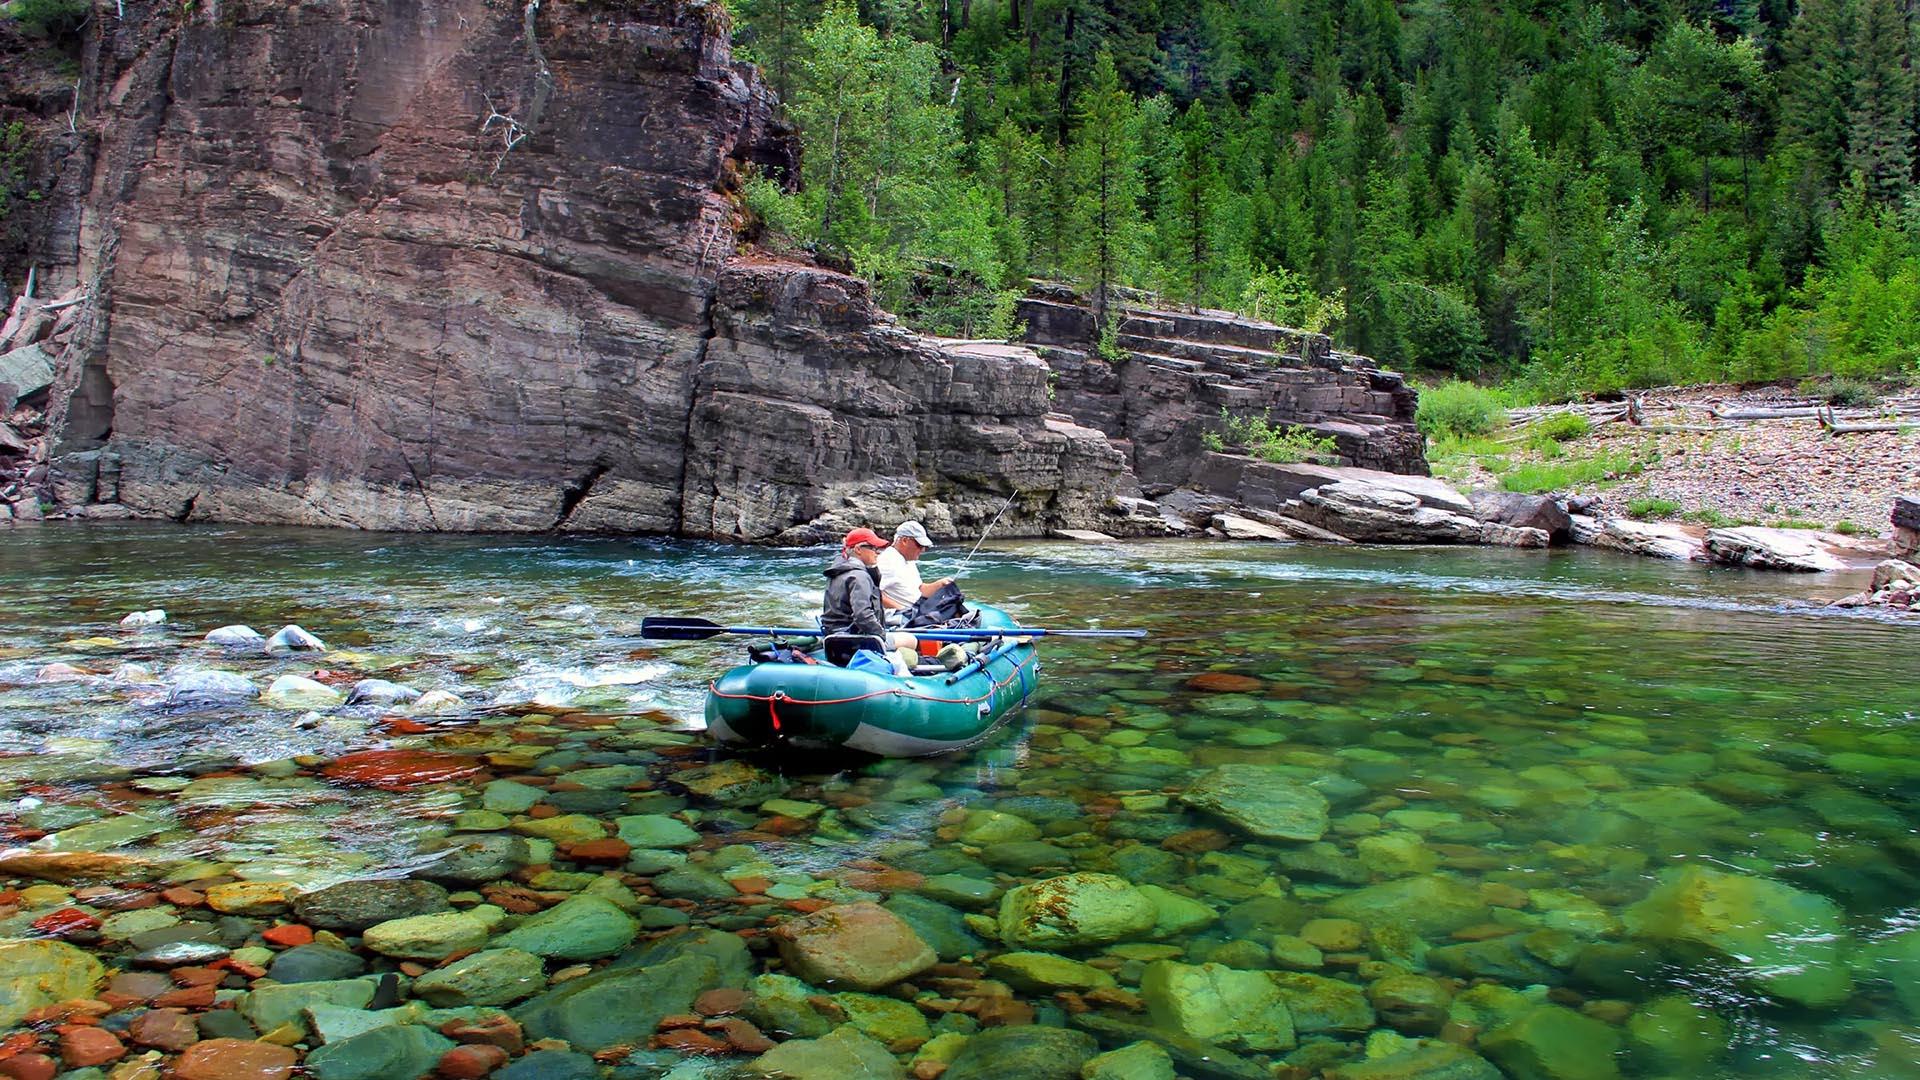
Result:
[36,973]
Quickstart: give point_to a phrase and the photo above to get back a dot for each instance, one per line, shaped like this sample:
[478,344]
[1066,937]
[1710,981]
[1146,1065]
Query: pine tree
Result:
[1191,202]
[1817,84]
[774,35]
[1880,126]
[1107,178]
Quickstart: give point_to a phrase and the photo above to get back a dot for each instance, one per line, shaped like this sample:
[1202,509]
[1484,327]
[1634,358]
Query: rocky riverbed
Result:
[1332,820]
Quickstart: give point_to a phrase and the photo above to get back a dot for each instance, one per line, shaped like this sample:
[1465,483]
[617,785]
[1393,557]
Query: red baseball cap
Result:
[862,536]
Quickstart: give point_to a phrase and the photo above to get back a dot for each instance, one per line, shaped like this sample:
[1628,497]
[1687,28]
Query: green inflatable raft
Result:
[822,707]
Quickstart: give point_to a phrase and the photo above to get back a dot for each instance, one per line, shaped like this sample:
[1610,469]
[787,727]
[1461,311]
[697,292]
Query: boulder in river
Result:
[428,937]
[582,928]
[1429,905]
[1376,514]
[1789,943]
[1031,1052]
[1073,910]
[1554,1043]
[489,977]
[860,946]
[300,692]
[210,688]
[292,638]
[141,620]
[356,905]
[1511,508]
[235,636]
[1240,1010]
[41,972]
[1266,801]
[842,1054]
[380,692]
[1658,539]
[618,1005]
[1773,549]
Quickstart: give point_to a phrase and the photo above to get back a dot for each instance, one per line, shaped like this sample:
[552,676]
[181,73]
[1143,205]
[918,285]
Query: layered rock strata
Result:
[1177,371]
[465,266]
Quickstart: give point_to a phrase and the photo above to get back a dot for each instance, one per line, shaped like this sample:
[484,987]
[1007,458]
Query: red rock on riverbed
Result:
[401,770]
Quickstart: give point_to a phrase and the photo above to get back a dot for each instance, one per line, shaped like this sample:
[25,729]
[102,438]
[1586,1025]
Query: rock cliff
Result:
[462,265]
[1176,371]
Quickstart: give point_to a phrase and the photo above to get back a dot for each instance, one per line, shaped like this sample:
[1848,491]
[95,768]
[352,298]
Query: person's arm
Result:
[860,599]
[931,587]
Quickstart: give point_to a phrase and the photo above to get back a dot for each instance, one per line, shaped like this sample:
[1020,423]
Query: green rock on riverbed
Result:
[1075,910]
[1240,1010]
[1788,942]
[36,973]
[1266,801]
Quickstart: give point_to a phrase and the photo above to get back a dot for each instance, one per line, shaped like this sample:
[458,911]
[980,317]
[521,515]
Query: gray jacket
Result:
[852,604]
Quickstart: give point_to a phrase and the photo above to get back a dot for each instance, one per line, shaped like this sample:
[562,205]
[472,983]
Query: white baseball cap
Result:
[913,530]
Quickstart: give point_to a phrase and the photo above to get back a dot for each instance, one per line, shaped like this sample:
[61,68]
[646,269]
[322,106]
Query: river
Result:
[1583,753]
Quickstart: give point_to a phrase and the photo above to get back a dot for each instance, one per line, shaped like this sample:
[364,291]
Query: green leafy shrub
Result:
[50,18]
[1460,409]
[1849,528]
[1842,391]
[1272,442]
[1562,427]
[1647,509]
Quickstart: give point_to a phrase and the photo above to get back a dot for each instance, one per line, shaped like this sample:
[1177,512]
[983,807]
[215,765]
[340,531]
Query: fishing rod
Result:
[984,532]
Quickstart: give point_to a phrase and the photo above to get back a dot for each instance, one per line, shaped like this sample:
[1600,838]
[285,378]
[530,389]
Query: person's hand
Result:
[943,583]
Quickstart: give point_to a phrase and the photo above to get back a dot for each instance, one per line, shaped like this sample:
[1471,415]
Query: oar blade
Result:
[669,628]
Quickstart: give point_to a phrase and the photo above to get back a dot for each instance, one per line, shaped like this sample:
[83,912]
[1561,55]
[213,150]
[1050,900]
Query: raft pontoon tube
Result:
[823,707]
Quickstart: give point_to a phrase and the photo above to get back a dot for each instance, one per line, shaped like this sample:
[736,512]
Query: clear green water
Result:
[1579,722]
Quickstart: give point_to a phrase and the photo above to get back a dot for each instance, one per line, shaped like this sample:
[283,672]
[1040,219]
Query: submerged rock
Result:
[491,977]
[1074,910]
[1031,1053]
[1671,1034]
[1554,1043]
[235,637]
[1426,1060]
[860,946]
[1787,942]
[356,905]
[1267,801]
[385,1053]
[583,928]
[210,688]
[1134,1061]
[843,1054]
[428,937]
[1241,1010]
[619,1005]
[36,973]
[299,692]
[381,692]
[1432,904]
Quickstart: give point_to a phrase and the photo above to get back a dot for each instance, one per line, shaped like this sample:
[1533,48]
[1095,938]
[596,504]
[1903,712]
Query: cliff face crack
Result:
[690,394]
[577,492]
[186,510]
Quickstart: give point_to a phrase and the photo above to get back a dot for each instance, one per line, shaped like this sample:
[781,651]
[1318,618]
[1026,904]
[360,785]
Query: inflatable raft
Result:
[822,707]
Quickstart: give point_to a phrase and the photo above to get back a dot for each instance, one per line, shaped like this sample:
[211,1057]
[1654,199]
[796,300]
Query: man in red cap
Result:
[852,603]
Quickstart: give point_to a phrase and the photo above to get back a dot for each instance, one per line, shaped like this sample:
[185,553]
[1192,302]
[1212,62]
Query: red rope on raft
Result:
[714,689]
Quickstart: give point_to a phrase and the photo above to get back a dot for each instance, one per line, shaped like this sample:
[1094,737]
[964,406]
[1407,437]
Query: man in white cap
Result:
[899,566]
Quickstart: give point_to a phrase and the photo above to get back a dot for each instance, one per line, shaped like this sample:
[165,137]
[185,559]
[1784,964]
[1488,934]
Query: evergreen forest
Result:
[1565,195]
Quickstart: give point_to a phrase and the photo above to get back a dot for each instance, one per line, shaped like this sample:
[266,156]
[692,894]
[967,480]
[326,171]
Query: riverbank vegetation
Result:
[1581,197]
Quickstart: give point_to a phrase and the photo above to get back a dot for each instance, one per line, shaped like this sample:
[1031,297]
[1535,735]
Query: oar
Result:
[688,629]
